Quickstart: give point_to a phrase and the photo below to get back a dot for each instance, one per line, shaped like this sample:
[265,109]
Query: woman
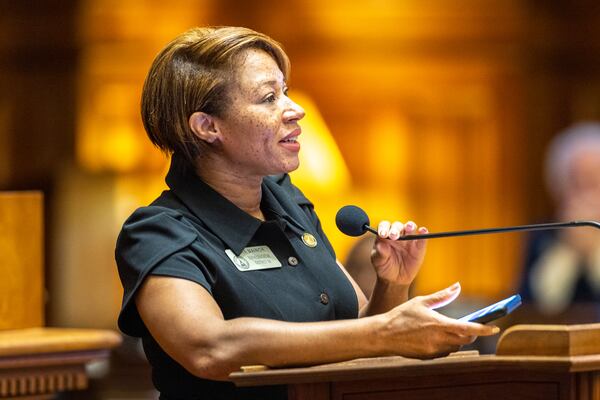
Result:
[230,267]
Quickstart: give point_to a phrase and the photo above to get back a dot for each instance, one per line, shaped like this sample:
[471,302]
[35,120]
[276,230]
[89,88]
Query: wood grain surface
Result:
[21,265]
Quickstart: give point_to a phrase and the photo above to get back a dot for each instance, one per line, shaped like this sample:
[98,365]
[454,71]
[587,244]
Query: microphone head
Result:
[352,220]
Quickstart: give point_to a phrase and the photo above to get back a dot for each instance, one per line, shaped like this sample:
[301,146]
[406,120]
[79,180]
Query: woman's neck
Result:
[241,189]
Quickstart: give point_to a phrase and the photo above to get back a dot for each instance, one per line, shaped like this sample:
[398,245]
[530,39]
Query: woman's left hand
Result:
[397,262]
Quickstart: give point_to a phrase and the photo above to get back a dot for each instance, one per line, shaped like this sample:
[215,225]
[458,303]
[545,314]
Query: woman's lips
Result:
[290,142]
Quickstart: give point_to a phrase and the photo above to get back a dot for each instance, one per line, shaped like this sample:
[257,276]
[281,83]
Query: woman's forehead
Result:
[256,67]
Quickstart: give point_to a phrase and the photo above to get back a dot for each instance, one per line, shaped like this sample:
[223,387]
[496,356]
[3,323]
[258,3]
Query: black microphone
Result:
[353,221]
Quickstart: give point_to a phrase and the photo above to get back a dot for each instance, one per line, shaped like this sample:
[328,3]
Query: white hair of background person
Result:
[564,148]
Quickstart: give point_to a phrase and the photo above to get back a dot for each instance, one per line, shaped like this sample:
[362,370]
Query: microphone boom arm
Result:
[533,227]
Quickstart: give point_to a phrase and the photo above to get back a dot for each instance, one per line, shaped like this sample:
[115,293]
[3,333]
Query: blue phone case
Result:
[494,311]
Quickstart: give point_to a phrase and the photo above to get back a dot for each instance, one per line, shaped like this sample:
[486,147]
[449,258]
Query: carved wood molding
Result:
[42,376]
[38,363]
[42,381]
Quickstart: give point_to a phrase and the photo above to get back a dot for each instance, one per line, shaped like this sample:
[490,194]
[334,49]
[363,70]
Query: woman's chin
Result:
[293,166]
[286,167]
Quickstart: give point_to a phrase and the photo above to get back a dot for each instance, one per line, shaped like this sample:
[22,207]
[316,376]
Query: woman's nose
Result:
[293,111]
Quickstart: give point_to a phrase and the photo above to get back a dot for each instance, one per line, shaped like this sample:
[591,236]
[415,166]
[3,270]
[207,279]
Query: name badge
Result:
[254,258]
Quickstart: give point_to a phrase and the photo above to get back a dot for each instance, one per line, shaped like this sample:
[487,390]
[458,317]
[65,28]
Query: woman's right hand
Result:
[415,330]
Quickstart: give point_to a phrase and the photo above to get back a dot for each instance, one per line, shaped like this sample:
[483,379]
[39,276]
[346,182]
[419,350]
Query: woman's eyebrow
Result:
[266,82]
[269,82]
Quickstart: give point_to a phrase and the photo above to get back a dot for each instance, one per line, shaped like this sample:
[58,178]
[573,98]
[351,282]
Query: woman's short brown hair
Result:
[191,74]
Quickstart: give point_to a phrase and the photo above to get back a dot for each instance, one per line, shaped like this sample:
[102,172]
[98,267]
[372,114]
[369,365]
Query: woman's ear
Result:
[204,127]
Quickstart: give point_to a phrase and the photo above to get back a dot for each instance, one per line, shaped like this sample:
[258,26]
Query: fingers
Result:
[431,334]
[459,340]
[468,328]
[472,328]
[394,230]
[446,296]
[383,229]
[460,328]
[442,343]
[442,297]
[421,243]
[397,229]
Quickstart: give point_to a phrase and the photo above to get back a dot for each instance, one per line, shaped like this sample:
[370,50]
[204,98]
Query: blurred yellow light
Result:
[121,151]
[109,135]
[322,167]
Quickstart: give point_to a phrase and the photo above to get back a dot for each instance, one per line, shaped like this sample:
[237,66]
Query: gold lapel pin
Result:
[309,240]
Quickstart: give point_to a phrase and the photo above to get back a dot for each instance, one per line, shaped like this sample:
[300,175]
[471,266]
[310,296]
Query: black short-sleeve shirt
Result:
[283,268]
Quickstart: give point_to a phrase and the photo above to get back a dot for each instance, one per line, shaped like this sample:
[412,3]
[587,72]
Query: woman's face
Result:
[259,127]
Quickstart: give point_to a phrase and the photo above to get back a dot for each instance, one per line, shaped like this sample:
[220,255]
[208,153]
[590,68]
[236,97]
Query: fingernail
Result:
[495,330]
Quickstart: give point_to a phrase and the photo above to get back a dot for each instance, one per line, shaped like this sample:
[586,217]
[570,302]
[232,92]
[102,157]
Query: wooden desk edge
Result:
[548,348]
[395,367]
[33,341]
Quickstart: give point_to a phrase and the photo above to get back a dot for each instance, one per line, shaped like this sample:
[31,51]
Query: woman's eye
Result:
[285,92]
[270,98]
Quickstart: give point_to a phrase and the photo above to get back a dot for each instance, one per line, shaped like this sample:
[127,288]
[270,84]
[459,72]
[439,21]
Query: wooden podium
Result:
[532,362]
[36,362]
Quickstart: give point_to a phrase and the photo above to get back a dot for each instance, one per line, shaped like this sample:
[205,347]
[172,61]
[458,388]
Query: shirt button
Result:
[324,298]
[293,261]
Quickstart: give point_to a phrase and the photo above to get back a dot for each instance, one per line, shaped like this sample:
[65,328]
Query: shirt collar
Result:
[270,202]
[231,224]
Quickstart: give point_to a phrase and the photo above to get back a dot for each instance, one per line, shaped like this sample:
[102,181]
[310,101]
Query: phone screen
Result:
[494,311]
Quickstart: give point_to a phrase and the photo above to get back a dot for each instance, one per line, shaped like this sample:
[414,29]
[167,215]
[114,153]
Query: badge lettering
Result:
[254,258]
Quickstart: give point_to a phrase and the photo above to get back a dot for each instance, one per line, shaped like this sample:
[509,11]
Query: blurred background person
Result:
[562,267]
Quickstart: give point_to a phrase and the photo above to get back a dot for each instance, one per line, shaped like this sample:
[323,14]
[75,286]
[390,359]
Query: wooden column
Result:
[21,247]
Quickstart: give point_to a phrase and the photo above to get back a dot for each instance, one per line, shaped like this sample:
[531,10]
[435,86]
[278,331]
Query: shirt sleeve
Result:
[154,240]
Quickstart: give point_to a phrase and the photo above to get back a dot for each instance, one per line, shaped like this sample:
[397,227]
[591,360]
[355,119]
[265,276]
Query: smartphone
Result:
[494,311]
